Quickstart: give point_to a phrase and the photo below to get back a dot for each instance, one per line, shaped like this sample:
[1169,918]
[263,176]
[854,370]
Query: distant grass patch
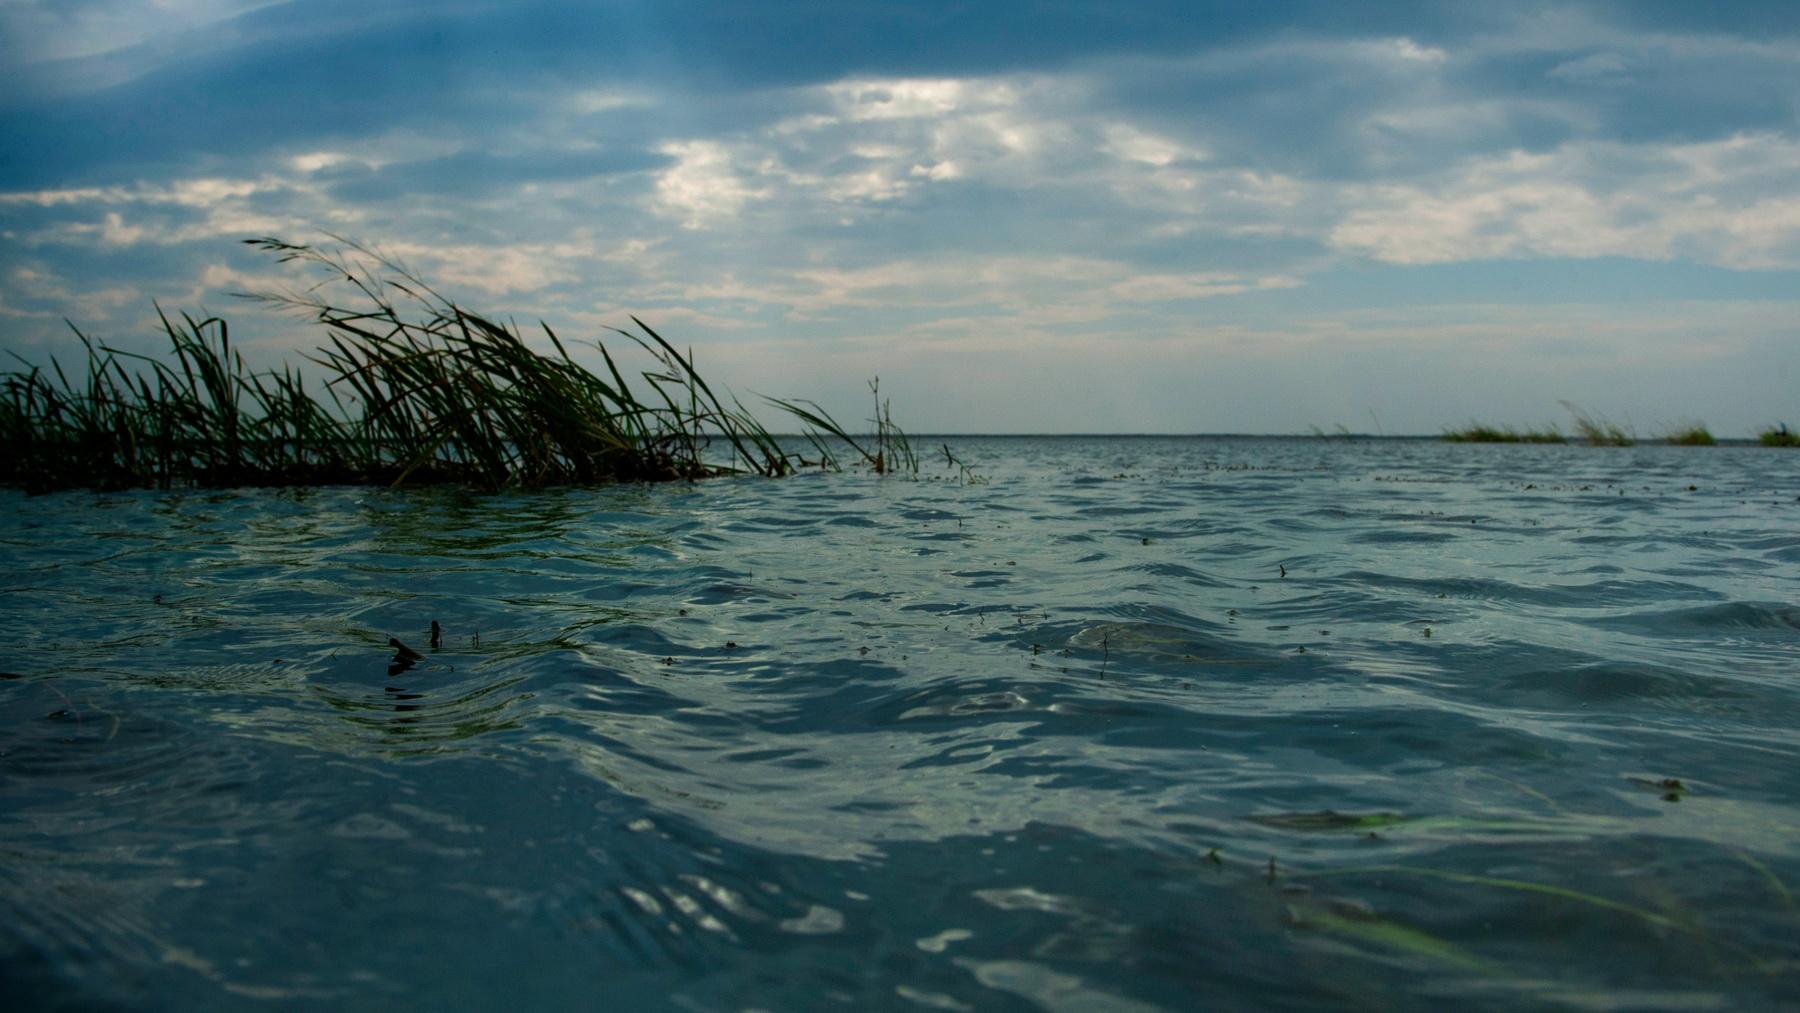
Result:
[1476,432]
[1598,431]
[1778,435]
[1690,434]
[416,388]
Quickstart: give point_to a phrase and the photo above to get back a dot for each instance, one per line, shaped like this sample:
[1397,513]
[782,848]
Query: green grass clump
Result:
[1779,435]
[416,389]
[1598,431]
[1690,434]
[1477,432]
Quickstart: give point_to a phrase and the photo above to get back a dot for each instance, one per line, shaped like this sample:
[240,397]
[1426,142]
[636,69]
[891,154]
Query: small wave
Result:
[1388,536]
[1595,594]
[1784,549]
[1686,622]
[1176,571]
[1613,684]
[1161,643]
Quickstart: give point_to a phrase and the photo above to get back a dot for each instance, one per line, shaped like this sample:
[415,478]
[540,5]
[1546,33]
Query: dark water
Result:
[1518,727]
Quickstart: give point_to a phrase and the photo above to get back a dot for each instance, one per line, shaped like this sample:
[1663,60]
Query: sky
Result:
[1022,217]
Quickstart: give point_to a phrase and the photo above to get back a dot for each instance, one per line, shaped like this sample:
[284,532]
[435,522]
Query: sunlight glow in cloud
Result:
[704,185]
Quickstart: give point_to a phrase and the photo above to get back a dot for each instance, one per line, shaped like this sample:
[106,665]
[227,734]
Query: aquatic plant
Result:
[965,474]
[417,388]
[1690,434]
[1476,432]
[885,450]
[1778,435]
[1598,431]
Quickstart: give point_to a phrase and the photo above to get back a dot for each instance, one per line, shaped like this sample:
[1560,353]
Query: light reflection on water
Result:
[1515,727]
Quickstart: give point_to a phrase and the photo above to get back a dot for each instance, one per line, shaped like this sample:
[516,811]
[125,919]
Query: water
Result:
[1516,728]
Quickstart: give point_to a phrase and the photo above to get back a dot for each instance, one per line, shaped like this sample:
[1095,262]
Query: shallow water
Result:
[1520,726]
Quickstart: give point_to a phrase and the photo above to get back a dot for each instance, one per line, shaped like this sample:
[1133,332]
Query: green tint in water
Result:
[1139,724]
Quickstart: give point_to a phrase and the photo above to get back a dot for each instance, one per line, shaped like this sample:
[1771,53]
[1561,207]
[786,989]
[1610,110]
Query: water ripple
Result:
[1284,723]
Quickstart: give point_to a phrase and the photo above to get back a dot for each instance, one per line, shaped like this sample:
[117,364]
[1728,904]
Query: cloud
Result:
[193,193]
[1594,68]
[1185,177]
[1178,288]
[704,185]
[474,174]
[63,30]
[1734,202]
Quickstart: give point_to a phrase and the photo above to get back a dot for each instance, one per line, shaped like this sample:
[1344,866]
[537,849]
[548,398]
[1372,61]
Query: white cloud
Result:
[937,172]
[202,192]
[1735,203]
[704,185]
[1072,210]
[314,161]
[498,269]
[906,98]
[1005,292]
[1595,68]
[1133,145]
[590,101]
[74,195]
[1171,287]
[1408,50]
[114,231]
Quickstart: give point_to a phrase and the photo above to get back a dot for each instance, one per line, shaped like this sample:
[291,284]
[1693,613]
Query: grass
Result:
[1690,434]
[1477,432]
[884,450]
[416,388]
[1598,431]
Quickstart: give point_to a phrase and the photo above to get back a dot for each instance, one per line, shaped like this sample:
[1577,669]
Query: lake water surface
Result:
[1518,727]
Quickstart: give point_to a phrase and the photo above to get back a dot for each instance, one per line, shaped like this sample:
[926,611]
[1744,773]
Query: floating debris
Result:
[404,657]
[1672,788]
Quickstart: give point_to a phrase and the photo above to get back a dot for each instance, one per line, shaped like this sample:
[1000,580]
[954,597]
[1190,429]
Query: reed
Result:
[416,388]
[1598,431]
[1778,435]
[884,450]
[1476,432]
[1690,434]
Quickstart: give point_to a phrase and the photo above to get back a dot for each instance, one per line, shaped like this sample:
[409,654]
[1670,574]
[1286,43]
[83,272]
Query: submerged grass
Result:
[416,389]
